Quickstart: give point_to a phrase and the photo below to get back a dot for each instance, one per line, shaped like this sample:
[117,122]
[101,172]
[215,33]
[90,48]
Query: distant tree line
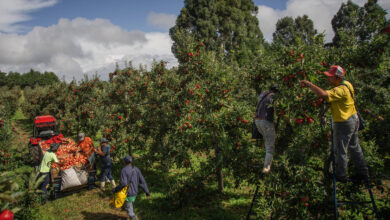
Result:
[30,79]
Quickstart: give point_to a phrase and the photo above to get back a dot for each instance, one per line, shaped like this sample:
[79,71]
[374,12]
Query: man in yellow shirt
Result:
[44,168]
[346,122]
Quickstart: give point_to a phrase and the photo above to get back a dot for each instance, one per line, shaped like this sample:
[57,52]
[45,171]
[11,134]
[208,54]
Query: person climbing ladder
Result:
[346,123]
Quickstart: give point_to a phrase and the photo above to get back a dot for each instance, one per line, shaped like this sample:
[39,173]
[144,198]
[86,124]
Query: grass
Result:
[94,204]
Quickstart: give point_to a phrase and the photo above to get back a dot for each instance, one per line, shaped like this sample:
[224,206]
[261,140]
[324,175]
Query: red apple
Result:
[6,215]
[299,121]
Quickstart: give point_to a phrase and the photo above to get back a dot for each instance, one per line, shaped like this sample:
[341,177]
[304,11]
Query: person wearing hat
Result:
[86,147]
[106,164]
[264,120]
[44,168]
[131,176]
[345,122]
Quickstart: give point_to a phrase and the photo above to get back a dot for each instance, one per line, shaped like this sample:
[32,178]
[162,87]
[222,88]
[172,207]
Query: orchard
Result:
[192,122]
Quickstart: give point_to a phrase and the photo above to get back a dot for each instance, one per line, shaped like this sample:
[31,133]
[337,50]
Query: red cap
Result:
[335,70]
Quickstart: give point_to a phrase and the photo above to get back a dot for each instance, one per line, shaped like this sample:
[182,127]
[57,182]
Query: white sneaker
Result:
[113,183]
[102,185]
[266,169]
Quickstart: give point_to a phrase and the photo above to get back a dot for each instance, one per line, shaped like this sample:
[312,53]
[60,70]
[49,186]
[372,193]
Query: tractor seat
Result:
[46,133]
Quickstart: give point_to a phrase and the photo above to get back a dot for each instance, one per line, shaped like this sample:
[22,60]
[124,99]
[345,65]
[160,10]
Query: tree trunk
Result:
[130,149]
[218,155]
[219,167]
[128,130]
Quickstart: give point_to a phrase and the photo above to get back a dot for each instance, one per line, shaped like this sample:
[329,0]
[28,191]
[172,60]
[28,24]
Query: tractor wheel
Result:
[35,154]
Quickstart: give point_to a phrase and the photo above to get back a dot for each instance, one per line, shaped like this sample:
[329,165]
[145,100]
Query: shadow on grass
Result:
[203,203]
[205,209]
[206,203]
[101,216]
[107,192]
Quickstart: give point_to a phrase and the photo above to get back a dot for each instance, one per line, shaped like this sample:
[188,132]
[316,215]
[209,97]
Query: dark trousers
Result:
[106,172]
[43,185]
[345,138]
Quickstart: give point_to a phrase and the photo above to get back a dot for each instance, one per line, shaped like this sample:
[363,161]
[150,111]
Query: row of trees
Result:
[231,29]
[30,79]
[12,188]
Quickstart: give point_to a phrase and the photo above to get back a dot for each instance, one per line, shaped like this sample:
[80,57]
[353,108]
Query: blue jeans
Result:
[106,172]
[44,184]
[129,209]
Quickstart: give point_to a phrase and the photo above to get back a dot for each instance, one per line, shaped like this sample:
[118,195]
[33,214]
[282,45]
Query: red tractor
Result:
[44,128]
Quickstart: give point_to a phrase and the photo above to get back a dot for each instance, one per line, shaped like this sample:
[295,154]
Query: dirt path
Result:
[21,137]
[21,126]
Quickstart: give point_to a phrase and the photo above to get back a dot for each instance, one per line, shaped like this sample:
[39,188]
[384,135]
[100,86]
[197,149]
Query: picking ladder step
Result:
[353,202]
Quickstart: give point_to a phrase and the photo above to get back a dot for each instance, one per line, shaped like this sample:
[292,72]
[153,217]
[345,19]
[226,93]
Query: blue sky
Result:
[77,37]
[129,14]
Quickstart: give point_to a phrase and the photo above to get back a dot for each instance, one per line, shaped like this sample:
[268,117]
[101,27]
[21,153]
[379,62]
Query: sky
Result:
[74,38]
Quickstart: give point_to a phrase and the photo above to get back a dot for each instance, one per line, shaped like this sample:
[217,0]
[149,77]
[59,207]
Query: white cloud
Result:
[72,48]
[385,5]
[320,11]
[161,20]
[15,11]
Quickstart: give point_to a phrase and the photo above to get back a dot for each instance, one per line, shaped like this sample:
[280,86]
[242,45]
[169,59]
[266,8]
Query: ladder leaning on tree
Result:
[337,203]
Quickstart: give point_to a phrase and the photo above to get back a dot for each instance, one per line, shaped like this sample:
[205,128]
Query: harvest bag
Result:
[120,197]
[362,122]
[69,179]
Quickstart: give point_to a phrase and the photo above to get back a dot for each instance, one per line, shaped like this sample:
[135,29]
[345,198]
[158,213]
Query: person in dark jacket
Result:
[264,120]
[104,152]
[132,176]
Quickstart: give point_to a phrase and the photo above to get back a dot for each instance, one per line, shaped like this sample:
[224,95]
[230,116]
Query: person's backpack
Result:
[255,132]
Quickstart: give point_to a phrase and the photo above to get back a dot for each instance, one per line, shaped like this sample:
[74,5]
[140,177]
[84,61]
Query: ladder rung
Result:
[352,203]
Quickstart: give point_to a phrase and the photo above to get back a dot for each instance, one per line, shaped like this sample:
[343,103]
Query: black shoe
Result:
[358,178]
[341,179]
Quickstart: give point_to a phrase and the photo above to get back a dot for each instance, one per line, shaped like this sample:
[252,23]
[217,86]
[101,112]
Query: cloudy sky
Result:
[77,37]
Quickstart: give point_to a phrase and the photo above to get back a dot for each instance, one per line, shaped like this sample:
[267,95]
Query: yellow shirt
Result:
[342,104]
[46,161]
